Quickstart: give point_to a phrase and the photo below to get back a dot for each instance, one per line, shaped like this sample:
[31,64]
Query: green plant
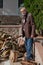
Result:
[36,8]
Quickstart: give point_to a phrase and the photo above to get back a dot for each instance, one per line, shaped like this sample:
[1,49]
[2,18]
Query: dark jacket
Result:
[28,28]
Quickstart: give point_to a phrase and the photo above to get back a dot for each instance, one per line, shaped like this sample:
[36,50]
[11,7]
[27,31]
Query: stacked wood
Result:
[1,43]
[13,56]
[28,63]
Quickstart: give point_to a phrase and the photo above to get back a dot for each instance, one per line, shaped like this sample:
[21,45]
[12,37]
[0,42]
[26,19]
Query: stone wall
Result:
[9,20]
[11,29]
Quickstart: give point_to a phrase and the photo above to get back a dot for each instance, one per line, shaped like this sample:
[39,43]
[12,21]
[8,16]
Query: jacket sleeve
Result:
[32,24]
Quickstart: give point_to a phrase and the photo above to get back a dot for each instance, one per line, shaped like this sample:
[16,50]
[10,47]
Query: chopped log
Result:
[13,56]
[28,63]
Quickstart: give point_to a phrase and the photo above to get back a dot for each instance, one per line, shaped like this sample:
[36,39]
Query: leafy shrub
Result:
[36,8]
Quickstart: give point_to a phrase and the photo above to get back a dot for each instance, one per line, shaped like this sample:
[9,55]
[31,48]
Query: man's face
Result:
[23,13]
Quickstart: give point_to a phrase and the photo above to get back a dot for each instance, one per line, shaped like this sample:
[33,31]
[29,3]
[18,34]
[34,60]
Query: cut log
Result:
[28,63]
[13,56]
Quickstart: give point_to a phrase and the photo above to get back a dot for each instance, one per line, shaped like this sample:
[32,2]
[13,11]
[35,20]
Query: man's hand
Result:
[32,36]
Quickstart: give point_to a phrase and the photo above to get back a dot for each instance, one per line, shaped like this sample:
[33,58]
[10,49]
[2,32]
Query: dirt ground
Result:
[10,63]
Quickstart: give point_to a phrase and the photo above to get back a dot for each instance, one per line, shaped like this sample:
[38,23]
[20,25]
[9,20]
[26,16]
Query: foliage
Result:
[36,8]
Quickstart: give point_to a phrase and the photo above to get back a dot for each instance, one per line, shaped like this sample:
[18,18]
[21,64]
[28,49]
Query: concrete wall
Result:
[10,7]
[39,53]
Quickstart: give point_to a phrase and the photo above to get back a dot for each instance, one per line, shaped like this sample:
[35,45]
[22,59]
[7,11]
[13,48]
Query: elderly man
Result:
[28,30]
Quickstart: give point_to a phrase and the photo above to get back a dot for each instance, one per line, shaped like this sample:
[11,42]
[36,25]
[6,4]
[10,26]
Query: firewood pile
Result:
[11,49]
[9,44]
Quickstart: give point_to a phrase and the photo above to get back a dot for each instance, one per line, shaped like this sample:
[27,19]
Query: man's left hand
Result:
[32,36]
